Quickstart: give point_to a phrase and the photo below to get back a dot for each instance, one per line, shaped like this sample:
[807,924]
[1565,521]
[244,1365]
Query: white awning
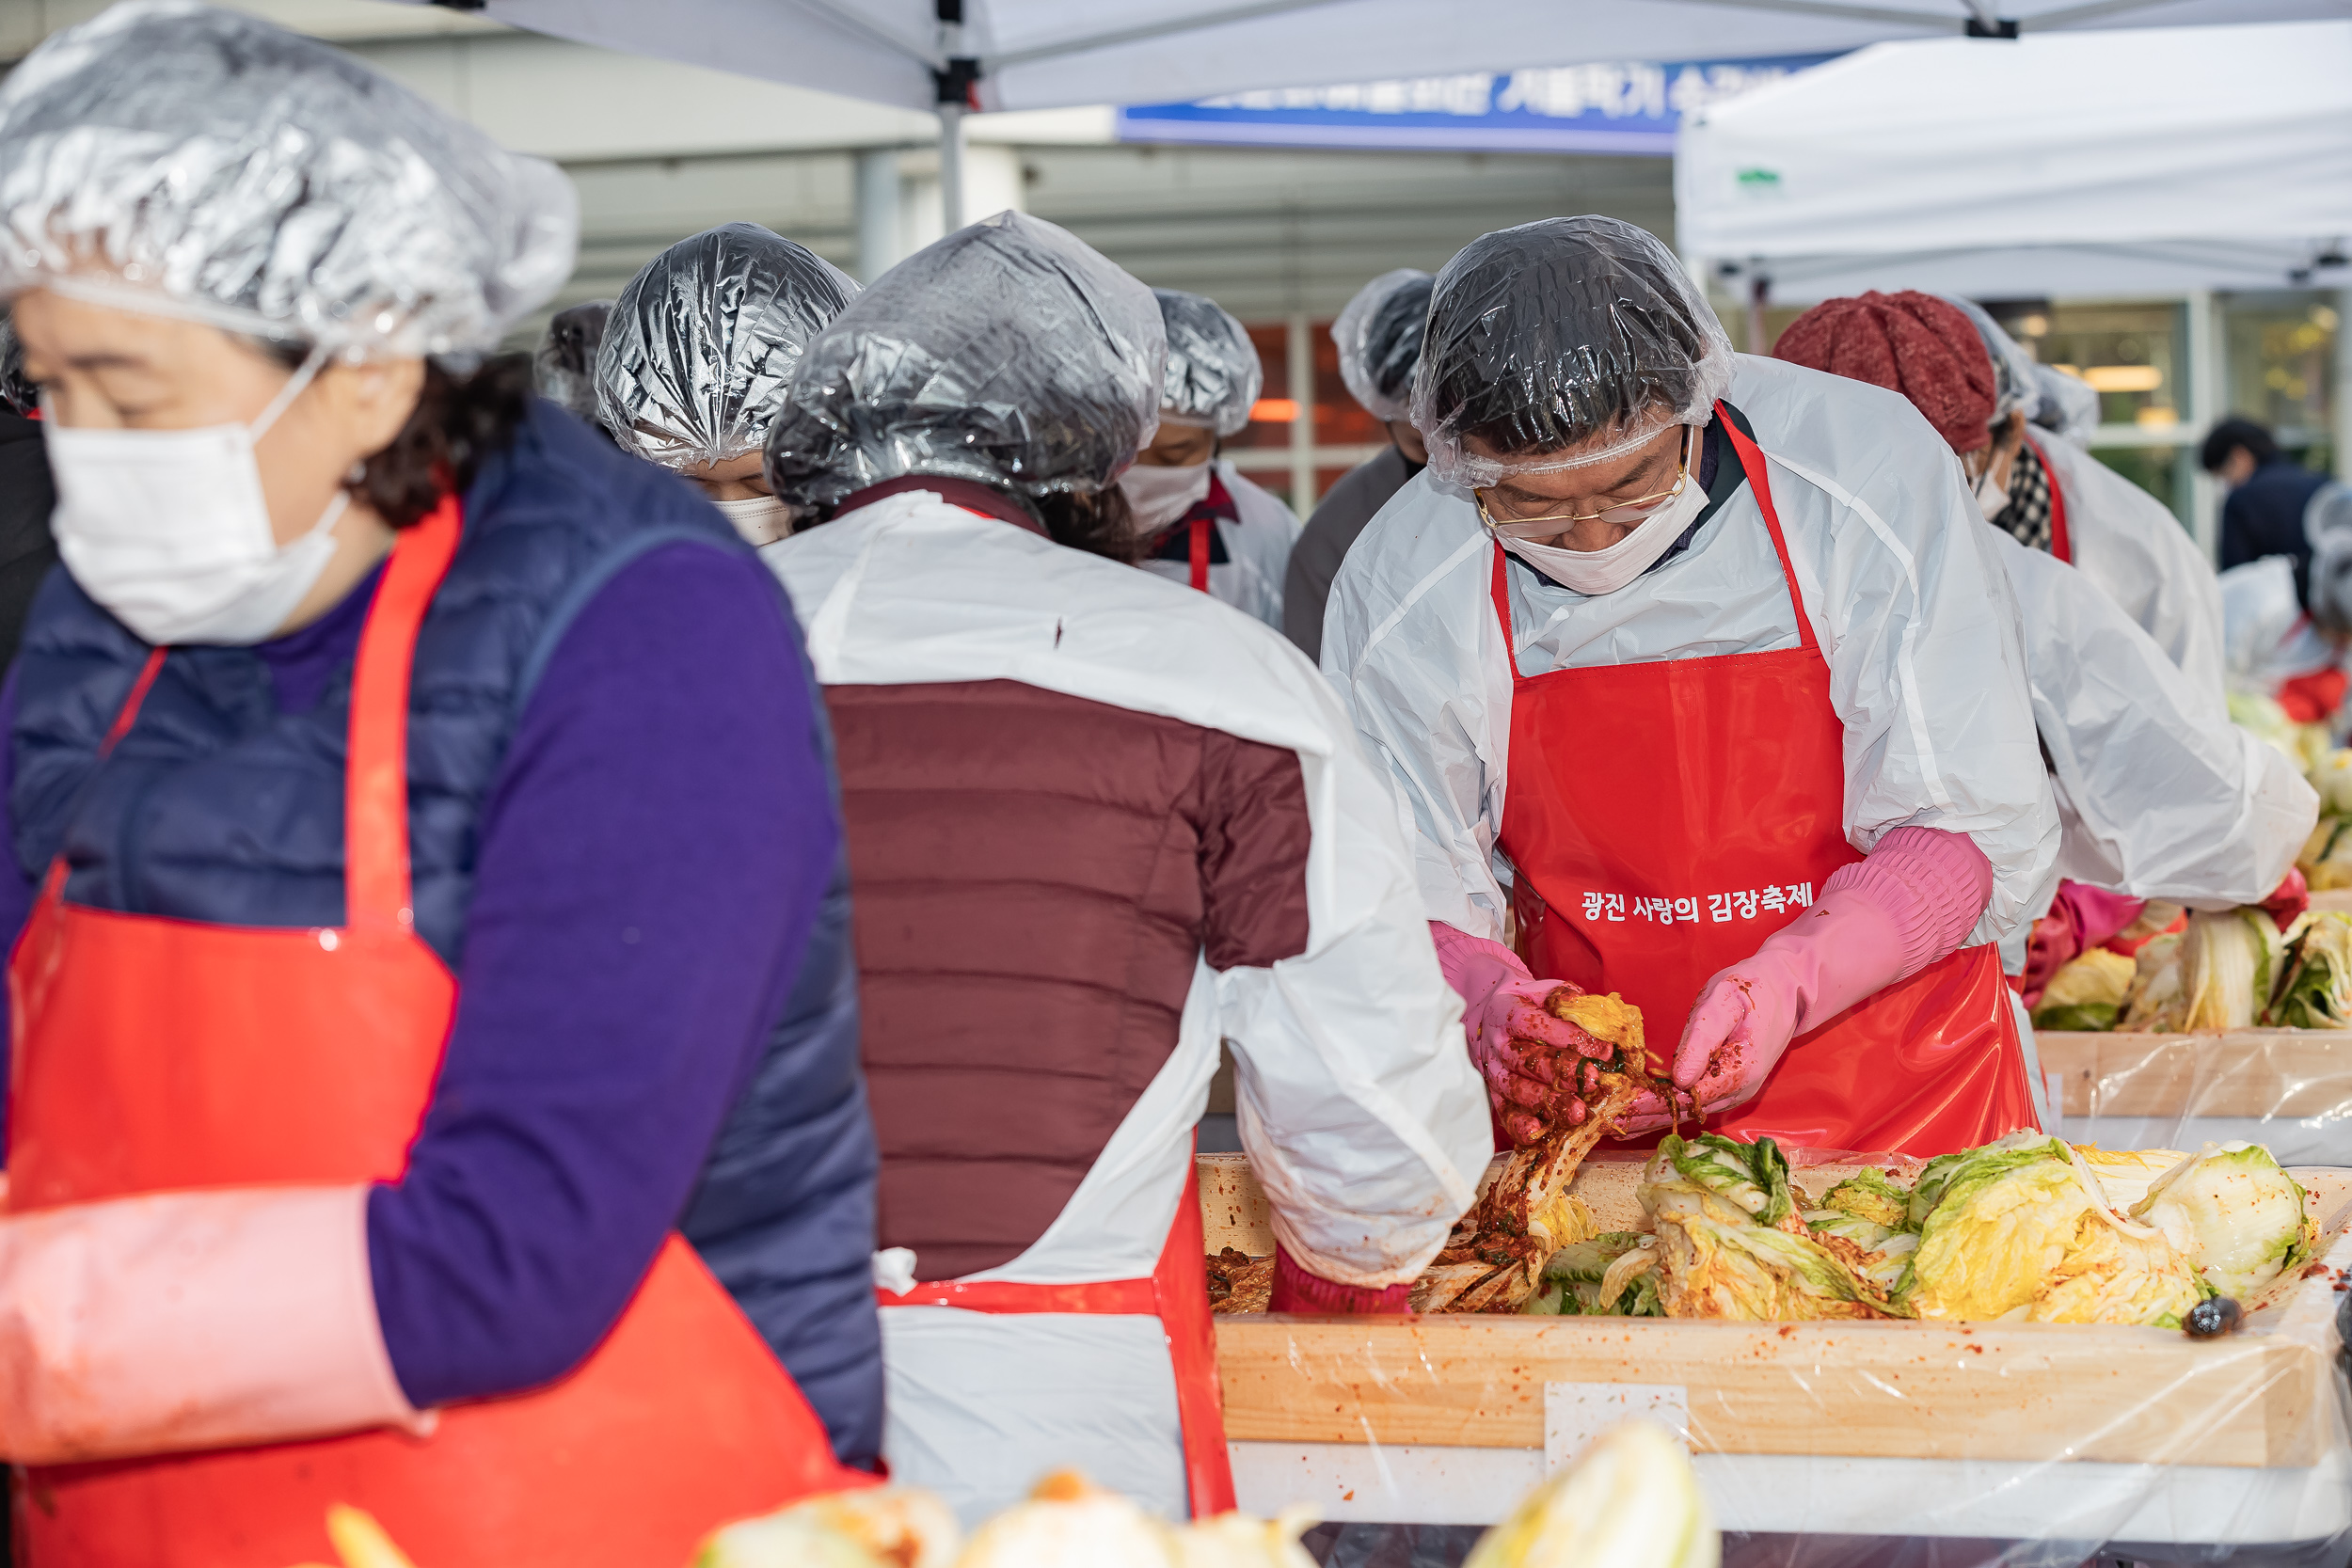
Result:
[2147,162]
[1048,54]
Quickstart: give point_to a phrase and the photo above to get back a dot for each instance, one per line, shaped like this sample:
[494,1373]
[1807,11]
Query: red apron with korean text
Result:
[155,1055]
[1665,818]
[1177,1294]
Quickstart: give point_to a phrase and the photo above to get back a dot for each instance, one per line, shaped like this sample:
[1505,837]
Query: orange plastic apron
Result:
[1177,1294]
[1664,819]
[153,1054]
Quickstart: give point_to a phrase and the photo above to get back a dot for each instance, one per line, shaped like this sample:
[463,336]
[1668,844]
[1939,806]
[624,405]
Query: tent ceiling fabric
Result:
[2208,157]
[1052,53]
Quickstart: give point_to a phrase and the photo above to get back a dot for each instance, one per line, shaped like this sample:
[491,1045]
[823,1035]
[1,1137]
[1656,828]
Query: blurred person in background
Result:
[696,360]
[434,1083]
[2269,494]
[562,367]
[1096,825]
[1379,338]
[2159,796]
[1200,522]
[2067,406]
[26,494]
[2054,496]
[1712,655]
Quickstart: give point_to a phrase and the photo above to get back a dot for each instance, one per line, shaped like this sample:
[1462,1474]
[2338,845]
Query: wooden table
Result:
[2289,1088]
[1835,1428]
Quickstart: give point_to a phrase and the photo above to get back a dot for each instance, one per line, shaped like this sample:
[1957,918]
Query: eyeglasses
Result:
[1621,512]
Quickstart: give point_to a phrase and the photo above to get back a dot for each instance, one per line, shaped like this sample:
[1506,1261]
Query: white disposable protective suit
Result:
[2140,556]
[1359,1107]
[1909,603]
[2267,640]
[2158,799]
[1258,545]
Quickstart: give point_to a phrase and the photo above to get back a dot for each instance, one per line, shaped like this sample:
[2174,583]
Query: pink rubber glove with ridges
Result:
[1527,1057]
[1908,903]
[1296,1291]
[202,1319]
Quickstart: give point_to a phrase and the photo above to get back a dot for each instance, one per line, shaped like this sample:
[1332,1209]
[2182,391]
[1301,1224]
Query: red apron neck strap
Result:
[1752,464]
[1200,552]
[2062,543]
[1502,592]
[375,781]
[129,714]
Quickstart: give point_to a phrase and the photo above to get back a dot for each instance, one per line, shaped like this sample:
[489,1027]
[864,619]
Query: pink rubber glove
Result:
[1909,902]
[205,1319]
[1527,1057]
[2287,901]
[2080,919]
[1296,1291]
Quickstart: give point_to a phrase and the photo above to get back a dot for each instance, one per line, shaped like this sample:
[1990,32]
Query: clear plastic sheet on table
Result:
[1821,1444]
[2288,1089]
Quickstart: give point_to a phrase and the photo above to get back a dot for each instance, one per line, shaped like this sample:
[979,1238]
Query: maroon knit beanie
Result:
[1909,342]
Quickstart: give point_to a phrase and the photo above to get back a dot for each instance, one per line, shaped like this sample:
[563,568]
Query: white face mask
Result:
[1992,496]
[760,519]
[1158,497]
[169,529]
[1606,571]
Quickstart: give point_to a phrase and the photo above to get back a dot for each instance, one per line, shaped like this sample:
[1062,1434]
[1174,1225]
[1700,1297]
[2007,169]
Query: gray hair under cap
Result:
[171,157]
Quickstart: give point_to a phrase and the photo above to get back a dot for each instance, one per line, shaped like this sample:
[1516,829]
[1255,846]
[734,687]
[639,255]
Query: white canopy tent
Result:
[2172,162]
[2149,162]
[960,55]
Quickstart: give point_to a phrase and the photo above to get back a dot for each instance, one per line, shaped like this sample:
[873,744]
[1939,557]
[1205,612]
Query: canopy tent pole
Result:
[955,83]
[951,166]
[2343,405]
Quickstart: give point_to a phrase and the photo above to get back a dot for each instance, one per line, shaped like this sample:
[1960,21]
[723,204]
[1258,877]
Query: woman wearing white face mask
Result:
[1201,523]
[697,354]
[1709,657]
[427,1092]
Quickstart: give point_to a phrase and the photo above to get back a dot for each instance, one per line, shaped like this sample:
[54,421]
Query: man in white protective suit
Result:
[2161,796]
[1710,660]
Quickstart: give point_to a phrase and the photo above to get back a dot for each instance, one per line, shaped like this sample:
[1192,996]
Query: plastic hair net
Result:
[2016,386]
[1213,374]
[1008,352]
[563,368]
[2068,406]
[2328,524]
[1379,338]
[705,339]
[1560,344]
[19,395]
[169,157]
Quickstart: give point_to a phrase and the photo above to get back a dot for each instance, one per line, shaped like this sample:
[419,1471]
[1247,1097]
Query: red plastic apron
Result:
[1177,1294]
[1664,819]
[2062,543]
[153,1054]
